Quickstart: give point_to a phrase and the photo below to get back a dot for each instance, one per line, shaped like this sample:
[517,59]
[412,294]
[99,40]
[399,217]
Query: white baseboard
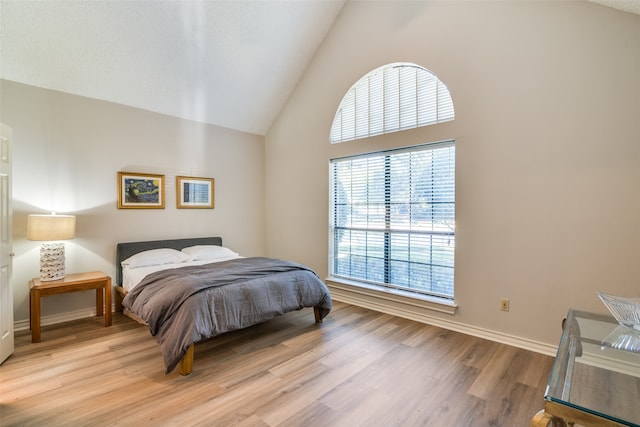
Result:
[366,300]
[394,307]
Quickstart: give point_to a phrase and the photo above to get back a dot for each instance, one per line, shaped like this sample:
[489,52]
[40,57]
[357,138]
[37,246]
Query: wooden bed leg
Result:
[316,313]
[119,296]
[186,363]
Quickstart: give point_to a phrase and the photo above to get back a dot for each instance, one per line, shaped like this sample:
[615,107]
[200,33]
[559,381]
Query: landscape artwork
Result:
[193,192]
[140,191]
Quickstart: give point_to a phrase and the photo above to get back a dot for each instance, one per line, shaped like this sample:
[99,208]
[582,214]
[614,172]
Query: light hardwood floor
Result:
[358,368]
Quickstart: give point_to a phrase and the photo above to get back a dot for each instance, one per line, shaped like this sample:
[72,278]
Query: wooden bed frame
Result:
[125,250]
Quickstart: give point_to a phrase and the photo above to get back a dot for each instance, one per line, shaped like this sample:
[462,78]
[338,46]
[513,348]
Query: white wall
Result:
[67,151]
[547,98]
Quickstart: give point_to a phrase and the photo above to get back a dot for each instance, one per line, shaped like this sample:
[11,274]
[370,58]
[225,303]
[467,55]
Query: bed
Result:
[190,290]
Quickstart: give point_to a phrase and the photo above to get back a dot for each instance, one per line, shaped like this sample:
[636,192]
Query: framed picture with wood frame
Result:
[194,192]
[140,191]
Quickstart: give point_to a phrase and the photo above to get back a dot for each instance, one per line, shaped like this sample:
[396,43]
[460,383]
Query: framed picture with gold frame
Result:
[140,191]
[194,192]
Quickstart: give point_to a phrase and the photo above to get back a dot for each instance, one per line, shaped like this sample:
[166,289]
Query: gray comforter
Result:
[189,304]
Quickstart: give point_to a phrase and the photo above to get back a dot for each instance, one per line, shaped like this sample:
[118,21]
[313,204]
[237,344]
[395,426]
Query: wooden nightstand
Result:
[71,283]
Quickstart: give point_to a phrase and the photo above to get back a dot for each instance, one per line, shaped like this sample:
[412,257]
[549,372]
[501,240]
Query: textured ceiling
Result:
[631,6]
[228,63]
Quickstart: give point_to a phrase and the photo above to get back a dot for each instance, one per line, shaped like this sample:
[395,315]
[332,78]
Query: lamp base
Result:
[51,261]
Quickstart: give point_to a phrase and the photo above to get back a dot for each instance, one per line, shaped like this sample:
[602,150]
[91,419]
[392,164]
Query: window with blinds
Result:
[391,98]
[393,218]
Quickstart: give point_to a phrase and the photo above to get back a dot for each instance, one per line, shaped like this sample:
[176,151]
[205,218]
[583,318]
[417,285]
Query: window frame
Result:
[391,98]
[388,231]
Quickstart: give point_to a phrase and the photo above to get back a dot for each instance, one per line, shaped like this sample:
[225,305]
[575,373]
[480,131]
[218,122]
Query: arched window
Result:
[391,98]
[392,212]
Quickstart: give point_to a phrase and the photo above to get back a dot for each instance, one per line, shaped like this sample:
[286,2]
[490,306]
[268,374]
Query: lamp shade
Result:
[51,227]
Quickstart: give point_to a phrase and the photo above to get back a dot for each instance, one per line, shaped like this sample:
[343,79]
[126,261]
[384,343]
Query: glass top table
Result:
[595,380]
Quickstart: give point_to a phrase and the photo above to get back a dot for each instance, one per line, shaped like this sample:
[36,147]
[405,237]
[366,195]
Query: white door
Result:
[6,254]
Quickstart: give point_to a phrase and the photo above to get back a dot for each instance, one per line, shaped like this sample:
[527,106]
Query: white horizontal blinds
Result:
[336,127]
[427,99]
[376,108]
[361,111]
[422,218]
[349,117]
[393,218]
[407,97]
[389,99]
[359,216]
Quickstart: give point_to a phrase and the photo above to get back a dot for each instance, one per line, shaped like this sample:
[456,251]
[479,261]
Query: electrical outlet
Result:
[504,304]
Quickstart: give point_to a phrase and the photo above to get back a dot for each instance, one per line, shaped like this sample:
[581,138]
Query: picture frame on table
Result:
[140,191]
[194,192]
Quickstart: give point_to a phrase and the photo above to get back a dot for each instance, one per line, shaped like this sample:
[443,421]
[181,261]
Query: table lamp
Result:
[51,228]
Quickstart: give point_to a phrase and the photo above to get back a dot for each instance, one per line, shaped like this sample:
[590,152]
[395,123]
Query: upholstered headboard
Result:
[125,250]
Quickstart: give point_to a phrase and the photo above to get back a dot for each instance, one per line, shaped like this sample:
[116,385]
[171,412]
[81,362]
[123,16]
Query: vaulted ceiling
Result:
[228,63]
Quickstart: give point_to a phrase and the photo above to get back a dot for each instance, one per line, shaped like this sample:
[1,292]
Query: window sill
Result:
[350,291]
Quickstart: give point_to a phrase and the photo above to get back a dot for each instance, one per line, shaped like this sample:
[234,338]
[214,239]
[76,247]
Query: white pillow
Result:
[202,252]
[155,257]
